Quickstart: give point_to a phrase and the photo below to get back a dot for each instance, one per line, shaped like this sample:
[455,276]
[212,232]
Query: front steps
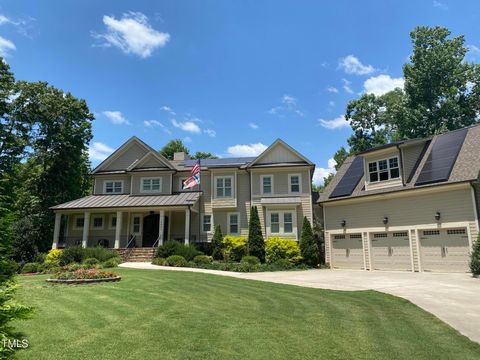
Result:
[139,254]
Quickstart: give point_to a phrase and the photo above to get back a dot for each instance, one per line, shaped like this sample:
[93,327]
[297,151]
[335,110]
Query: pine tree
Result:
[475,258]
[308,245]
[255,243]
[217,243]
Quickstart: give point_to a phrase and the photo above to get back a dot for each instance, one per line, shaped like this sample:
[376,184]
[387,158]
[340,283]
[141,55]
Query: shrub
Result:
[256,244]
[81,274]
[177,261]
[252,260]
[235,247]
[91,261]
[78,255]
[30,268]
[282,249]
[170,248]
[308,244]
[159,261]
[248,267]
[111,263]
[49,264]
[217,243]
[189,252]
[54,254]
[202,259]
[74,266]
[475,258]
[281,264]
[204,247]
[40,257]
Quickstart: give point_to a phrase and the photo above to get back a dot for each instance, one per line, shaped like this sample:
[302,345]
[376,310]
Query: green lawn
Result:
[178,315]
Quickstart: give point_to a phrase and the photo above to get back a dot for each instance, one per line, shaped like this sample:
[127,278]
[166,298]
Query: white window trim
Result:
[261,184]
[211,224]
[299,183]
[92,223]
[151,191]
[388,170]
[114,181]
[133,224]
[110,227]
[75,227]
[238,223]
[282,222]
[215,187]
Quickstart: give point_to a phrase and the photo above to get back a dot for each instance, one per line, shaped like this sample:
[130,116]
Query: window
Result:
[380,235]
[274,223]
[180,185]
[400,234]
[431,232]
[457,232]
[136,225]
[150,185]
[207,223]
[287,223]
[339,237]
[113,187]
[294,183]
[223,187]
[267,184]
[383,170]
[355,236]
[113,222]
[98,222]
[233,223]
[79,221]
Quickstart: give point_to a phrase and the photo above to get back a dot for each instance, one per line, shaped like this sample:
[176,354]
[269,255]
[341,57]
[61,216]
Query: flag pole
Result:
[200,200]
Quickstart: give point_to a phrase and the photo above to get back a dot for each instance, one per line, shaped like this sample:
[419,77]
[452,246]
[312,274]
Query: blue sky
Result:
[228,77]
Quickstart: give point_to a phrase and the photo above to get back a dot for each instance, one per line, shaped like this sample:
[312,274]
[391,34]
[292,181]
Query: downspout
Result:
[476,210]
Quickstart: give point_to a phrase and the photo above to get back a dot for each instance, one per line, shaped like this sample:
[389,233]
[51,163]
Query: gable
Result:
[132,153]
[280,152]
[150,160]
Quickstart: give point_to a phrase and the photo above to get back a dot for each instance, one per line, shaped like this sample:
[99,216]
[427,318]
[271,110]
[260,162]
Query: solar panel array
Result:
[221,162]
[350,180]
[441,159]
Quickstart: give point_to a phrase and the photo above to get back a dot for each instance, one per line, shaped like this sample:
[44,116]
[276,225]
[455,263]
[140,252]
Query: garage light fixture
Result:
[343,223]
[385,220]
[437,216]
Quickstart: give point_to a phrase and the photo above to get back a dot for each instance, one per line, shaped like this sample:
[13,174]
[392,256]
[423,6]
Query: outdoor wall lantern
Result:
[385,220]
[437,216]
[343,223]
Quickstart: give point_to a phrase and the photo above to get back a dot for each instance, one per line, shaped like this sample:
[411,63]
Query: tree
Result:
[475,258]
[204,155]
[308,244]
[172,147]
[255,242]
[217,243]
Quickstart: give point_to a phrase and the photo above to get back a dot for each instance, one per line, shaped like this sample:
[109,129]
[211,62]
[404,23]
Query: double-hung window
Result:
[282,222]
[267,184]
[383,170]
[233,223]
[275,223]
[113,187]
[223,187]
[287,222]
[150,185]
[207,223]
[136,225]
[294,183]
[79,221]
[98,222]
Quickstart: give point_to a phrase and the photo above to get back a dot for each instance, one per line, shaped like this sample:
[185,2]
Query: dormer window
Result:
[113,187]
[383,170]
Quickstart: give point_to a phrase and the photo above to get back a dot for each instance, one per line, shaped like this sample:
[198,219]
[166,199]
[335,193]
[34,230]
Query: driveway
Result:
[454,298]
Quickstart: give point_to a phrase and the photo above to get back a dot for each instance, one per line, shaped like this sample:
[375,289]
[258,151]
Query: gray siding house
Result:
[138,199]
[411,205]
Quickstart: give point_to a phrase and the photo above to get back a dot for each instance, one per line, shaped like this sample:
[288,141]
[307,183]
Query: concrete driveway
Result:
[454,298]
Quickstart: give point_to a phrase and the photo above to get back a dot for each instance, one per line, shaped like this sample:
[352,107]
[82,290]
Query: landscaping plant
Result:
[308,244]
[217,243]
[234,247]
[170,248]
[282,249]
[475,258]
[256,245]
[177,261]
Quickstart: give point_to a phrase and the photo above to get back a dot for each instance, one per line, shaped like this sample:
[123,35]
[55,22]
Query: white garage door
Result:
[445,250]
[347,251]
[391,251]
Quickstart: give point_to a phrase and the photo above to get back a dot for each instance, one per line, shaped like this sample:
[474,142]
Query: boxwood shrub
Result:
[177,261]
[202,259]
[78,255]
[252,260]
[170,248]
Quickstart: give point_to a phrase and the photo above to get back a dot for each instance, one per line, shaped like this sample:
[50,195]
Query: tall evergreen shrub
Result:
[255,242]
[308,244]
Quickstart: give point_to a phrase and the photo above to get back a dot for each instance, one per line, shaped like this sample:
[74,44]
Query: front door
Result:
[150,230]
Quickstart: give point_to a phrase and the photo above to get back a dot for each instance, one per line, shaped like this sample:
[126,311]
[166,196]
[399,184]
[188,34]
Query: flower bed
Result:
[84,276]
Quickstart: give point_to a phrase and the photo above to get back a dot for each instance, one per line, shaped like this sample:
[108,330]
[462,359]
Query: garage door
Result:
[445,250]
[391,251]
[347,251]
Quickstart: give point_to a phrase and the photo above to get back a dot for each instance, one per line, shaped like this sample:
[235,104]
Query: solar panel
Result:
[221,162]
[350,180]
[441,159]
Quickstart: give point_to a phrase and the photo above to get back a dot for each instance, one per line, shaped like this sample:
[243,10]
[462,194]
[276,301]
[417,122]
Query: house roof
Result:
[279,142]
[129,201]
[466,167]
[213,163]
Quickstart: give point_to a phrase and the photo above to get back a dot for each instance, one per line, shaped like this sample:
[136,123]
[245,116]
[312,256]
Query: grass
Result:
[179,315]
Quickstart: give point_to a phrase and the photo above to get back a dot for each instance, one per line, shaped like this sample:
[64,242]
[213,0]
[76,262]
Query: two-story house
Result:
[410,205]
[138,198]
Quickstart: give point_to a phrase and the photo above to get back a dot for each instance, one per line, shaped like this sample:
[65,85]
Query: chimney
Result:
[180,156]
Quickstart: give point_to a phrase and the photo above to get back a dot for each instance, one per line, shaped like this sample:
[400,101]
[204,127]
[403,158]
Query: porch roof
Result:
[128,201]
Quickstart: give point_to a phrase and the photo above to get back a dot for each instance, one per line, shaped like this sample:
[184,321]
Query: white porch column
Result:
[187,226]
[56,230]
[161,227]
[118,229]
[86,227]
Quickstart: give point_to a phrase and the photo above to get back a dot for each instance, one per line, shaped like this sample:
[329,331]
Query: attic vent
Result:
[356,236]
[456,232]
[338,237]
[400,234]
[431,232]
[380,235]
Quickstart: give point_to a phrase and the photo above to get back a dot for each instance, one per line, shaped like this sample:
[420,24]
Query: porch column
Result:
[56,230]
[161,227]
[86,227]
[187,226]
[118,229]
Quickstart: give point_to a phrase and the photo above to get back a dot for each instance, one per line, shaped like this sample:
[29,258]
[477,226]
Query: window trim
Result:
[110,227]
[211,224]
[238,223]
[151,191]
[140,216]
[92,224]
[75,227]
[281,219]
[180,184]
[271,184]
[215,187]
[387,159]
[299,183]
[113,181]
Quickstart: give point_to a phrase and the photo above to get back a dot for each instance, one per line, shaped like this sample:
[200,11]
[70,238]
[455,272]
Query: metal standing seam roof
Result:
[125,200]
[281,200]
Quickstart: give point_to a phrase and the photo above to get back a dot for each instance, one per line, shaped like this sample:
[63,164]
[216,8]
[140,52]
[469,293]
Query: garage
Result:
[445,250]
[391,251]
[347,251]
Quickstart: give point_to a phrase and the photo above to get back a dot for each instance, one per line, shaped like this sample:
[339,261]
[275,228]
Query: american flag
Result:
[194,179]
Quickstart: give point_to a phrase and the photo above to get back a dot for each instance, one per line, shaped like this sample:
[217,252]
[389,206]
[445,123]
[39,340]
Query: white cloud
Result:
[352,65]
[5,20]
[321,173]
[116,117]
[381,84]
[289,100]
[98,151]
[474,50]
[346,86]
[440,5]
[210,132]
[132,34]
[331,103]
[289,104]
[168,109]
[332,89]
[152,123]
[337,123]
[187,139]
[6,46]
[246,149]
[188,126]
[253,125]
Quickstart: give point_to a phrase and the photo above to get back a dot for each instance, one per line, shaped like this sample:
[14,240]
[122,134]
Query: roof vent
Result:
[180,156]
